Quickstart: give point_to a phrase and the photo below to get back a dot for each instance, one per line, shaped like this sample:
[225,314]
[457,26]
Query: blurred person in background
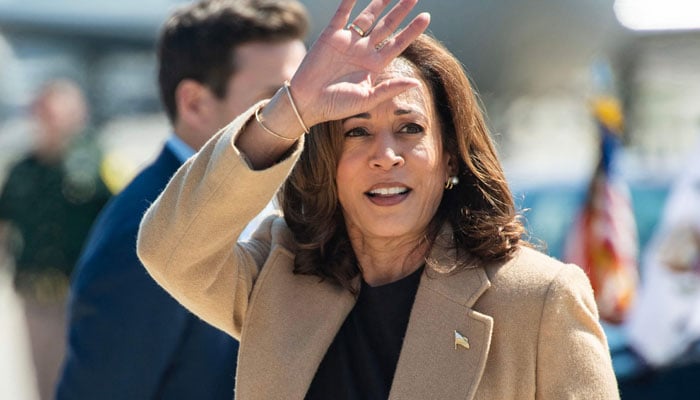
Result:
[127,337]
[48,203]
[52,196]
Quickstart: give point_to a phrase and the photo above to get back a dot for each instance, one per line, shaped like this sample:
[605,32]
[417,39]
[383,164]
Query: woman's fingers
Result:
[366,18]
[391,21]
[383,34]
[342,14]
[392,46]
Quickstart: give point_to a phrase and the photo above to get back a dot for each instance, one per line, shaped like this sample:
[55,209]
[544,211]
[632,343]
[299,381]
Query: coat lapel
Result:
[308,313]
[304,314]
[431,364]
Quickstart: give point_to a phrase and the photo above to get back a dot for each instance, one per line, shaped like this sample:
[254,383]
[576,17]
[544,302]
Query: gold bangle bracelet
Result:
[268,130]
[294,107]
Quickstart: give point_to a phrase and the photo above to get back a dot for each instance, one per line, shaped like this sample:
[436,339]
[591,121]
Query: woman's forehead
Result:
[398,67]
[419,96]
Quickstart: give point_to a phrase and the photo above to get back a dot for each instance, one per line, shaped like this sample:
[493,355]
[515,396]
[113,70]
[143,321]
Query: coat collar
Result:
[310,313]
[432,364]
[292,320]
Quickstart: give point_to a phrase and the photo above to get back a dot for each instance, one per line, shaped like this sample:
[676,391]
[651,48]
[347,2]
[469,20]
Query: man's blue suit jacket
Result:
[127,337]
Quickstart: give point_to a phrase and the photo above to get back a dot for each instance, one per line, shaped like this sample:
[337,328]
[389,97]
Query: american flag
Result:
[603,238]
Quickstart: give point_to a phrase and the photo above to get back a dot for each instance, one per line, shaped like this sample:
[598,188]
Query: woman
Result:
[397,270]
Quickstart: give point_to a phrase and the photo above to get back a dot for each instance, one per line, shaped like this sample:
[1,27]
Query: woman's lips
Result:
[387,195]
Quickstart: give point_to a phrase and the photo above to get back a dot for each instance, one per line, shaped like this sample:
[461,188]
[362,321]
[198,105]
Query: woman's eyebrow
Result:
[402,111]
[365,115]
[361,115]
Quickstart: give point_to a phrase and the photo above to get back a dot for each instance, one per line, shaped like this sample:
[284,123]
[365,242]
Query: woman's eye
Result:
[411,128]
[357,132]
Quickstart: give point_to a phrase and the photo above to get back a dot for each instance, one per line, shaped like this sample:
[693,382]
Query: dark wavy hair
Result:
[480,209]
[198,41]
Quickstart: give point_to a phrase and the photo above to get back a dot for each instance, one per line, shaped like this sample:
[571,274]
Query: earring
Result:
[451,182]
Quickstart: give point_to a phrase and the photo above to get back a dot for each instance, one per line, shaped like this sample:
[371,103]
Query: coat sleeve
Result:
[573,359]
[187,238]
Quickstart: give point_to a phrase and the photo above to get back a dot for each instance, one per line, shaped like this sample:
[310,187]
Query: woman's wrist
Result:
[271,130]
[278,117]
[261,123]
[288,91]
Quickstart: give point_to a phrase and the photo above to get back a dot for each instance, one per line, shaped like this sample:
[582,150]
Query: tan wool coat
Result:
[529,326]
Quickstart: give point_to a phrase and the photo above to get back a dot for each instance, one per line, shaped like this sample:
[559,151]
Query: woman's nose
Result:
[386,153]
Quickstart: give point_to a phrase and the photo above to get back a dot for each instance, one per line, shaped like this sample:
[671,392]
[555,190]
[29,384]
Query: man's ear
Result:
[193,103]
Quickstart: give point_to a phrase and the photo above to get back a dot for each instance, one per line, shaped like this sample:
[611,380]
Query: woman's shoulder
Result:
[522,286]
[533,271]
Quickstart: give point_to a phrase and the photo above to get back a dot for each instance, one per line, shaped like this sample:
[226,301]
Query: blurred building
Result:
[662,74]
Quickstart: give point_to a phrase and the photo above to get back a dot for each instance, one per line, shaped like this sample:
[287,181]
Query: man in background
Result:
[52,196]
[127,338]
[49,201]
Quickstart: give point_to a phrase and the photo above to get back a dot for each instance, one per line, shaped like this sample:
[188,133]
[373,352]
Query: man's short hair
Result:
[198,41]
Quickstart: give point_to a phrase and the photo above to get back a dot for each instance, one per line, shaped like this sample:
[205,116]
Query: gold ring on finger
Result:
[381,44]
[384,42]
[357,29]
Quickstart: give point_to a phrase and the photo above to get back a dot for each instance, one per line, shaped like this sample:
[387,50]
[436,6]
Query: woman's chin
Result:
[390,230]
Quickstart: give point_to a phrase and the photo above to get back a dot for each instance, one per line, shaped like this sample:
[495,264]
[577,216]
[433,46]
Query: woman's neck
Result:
[383,261]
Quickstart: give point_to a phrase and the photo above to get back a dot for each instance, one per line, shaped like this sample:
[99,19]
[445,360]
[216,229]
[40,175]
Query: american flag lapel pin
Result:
[461,341]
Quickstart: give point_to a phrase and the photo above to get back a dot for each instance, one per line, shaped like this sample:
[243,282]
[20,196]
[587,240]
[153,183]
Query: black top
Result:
[361,361]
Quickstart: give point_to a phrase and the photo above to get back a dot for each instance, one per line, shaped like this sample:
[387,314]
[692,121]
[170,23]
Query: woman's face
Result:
[392,170]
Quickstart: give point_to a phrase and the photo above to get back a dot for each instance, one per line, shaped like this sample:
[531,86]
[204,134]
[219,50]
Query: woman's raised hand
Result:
[334,81]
